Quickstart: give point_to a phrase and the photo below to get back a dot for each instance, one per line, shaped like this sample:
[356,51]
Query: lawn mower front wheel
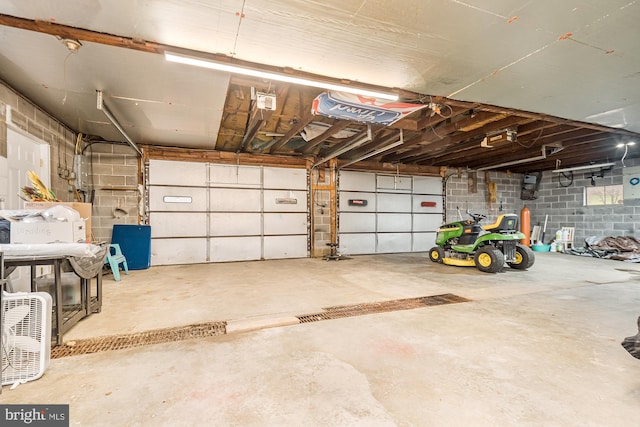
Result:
[436,254]
[524,258]
[489,259]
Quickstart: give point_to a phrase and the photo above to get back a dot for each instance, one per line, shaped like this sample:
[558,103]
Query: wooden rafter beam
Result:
[535,116]
[293,131]
[439,147]
[224,157]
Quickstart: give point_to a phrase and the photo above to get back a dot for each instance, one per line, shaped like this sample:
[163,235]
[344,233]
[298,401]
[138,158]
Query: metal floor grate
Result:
[156,336]
[203,330]
[340,311]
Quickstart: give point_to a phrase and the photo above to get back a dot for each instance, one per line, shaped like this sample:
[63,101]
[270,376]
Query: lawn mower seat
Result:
[470,234]
[506,223]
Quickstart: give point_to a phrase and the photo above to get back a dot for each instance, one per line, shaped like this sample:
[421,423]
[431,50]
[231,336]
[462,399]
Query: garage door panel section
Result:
[388,202]
[357,244]
[284,178]
[357,181]
[177,199]
[285,201]
[285,223]
[234,176]
[285,219]
[400,184]
[278,247]
[235,224]
[427,203]
[186,224]
[235,200]
[357,201]
[178,251]
[427,185]
[422,242]
[393,243]
[351,222]
[225,249]
[394,222]
[423,222]
[167,172]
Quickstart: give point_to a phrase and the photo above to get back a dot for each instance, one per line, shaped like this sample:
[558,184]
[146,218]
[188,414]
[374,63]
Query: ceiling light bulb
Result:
[72,44]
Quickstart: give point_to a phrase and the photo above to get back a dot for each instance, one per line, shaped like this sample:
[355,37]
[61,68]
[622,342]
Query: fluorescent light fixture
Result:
[542,156]
[376,152]
[198,62]
[625,144]
[373,153]
[515,162]
[555,148]
[585,167]
[368,137]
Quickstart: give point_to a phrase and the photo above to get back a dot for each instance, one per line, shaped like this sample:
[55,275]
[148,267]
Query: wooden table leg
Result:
[99,292]
[59,302]
[34,284]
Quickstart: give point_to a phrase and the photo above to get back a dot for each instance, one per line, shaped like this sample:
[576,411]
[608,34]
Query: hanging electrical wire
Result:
[568,179]
[626,150]
[59,152]
[532,143]
[78,144]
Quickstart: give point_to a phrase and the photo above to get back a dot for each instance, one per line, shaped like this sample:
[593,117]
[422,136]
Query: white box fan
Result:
[26,336]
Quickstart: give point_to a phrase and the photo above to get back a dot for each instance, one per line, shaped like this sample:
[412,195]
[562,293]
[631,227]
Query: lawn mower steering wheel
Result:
[477,217]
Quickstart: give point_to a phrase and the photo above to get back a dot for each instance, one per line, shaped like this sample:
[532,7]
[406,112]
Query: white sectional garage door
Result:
[201,212]
[388,213]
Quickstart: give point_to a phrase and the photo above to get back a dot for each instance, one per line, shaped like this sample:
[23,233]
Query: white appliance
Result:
[26,336]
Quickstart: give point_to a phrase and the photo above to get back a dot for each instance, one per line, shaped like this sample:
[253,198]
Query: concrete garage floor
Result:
[540,347]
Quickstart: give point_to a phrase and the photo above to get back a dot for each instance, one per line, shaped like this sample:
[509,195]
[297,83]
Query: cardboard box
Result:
[84,209]
[47,232]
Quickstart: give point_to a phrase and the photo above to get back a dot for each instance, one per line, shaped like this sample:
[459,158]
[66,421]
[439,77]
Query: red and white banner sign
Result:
[347,106]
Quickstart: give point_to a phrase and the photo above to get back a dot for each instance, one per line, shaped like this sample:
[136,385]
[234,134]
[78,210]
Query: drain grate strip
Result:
[341,311]
[156,336]
[203,330]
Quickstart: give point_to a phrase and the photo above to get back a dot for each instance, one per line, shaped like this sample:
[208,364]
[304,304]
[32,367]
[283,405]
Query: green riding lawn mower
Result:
[467,243]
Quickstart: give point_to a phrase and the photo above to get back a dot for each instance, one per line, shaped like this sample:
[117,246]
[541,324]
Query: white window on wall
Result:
[603,195]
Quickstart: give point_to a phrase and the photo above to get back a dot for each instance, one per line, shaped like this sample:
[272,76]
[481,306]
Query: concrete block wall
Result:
[459,196]
[564,205]
[113,170]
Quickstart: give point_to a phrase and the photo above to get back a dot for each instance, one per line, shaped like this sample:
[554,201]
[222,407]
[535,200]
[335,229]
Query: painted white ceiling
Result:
[575,59]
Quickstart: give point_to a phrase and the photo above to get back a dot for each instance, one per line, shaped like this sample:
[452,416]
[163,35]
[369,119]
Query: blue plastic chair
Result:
[114,259]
